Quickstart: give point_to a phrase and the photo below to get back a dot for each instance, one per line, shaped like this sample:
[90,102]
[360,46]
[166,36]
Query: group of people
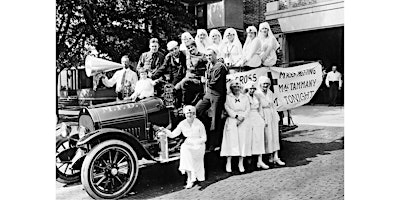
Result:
[198,68]
[251,129]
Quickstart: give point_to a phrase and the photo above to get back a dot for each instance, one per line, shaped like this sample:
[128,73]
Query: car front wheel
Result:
[65,151]
[109,170]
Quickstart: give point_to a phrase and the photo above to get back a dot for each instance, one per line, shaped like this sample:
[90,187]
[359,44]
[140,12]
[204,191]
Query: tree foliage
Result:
[115,27]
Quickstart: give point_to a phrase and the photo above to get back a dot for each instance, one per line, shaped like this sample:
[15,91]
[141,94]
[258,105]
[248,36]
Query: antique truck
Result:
[111,141]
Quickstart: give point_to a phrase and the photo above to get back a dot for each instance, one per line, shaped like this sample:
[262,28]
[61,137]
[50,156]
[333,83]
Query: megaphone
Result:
[95,65]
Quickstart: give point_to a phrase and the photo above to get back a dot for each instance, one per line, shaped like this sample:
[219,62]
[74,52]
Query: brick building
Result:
[307,30]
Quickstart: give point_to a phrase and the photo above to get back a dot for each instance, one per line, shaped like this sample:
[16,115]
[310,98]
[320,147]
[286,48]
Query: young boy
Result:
[144,87]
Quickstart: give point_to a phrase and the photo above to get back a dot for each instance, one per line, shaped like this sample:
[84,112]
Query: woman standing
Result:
[216,41]
[271,118]
[185,38]
[202,41]
[269,45]
[251,48]
[193,149]
[256,126]
[236,140]
[231,50]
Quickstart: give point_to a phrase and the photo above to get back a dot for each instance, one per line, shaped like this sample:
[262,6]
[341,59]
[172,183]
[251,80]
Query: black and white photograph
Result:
[199,99]
[191,99]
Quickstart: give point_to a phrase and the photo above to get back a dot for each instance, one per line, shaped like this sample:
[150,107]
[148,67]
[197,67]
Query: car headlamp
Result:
[65,130]
[82,131]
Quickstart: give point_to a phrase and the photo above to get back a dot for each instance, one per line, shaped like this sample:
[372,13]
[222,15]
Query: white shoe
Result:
[262,165]
[241,168]
[279,162]
[189,185]
[228,168]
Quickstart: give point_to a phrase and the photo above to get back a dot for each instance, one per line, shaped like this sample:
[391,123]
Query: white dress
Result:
[144,88]
[236,140]
[268,51]
[271,132]
[256,126]
[193,149]
[231,52]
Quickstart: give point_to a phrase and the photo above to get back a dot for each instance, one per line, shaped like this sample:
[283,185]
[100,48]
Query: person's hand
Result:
[127,98]
[161,133]
[240,118]
[195,81]
[189,75]
[340,88]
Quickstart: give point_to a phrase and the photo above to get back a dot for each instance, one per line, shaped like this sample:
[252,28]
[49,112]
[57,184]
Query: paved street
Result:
[314,154]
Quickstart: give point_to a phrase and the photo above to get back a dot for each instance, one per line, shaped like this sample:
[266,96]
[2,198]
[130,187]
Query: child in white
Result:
[144,87]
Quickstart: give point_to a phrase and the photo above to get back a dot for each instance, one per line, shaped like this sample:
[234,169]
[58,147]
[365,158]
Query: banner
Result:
[248,76]
[292,86]
[296,85]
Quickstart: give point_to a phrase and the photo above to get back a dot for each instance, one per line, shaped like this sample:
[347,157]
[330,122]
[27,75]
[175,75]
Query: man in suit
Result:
[152,59]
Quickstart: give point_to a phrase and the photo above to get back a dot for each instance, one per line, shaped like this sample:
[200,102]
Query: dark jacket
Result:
[175,68]
[149,61]
[216,79]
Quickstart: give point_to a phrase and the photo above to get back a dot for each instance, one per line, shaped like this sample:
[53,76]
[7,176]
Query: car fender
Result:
[112,133]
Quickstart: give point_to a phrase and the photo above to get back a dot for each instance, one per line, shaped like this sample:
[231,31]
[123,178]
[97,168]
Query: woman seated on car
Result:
[193,149]
[144,87]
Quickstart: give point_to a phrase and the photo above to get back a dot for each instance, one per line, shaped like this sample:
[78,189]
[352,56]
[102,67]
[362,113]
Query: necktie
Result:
[153,61]
[123,81]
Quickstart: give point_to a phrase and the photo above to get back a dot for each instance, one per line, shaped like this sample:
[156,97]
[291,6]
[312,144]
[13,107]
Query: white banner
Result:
[293,86]
[296,85]
[248,76]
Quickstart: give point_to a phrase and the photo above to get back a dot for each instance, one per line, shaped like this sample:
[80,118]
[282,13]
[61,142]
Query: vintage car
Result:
[110,142]
[104,149]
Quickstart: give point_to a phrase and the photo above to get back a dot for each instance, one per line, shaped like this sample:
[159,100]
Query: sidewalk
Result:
[318,115]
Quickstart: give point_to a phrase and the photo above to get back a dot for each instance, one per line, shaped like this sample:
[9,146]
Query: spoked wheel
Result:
[109,170]
[65,151]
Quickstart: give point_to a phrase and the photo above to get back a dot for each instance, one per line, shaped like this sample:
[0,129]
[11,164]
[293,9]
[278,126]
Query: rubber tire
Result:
[87,163]
[61,177]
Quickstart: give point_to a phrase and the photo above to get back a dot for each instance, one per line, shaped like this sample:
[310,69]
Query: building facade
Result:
[310,30]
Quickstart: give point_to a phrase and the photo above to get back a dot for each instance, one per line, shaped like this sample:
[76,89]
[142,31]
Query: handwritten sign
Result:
[296,85]
[248,76]
[293,86]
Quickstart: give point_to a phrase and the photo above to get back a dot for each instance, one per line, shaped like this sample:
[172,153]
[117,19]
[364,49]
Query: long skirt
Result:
[257,133]
[236,140]
[271,131]
[192,159]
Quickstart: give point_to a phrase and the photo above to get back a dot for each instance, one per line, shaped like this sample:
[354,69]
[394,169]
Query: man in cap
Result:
[214,98]
[125,79]
[152,59]
[174,65]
